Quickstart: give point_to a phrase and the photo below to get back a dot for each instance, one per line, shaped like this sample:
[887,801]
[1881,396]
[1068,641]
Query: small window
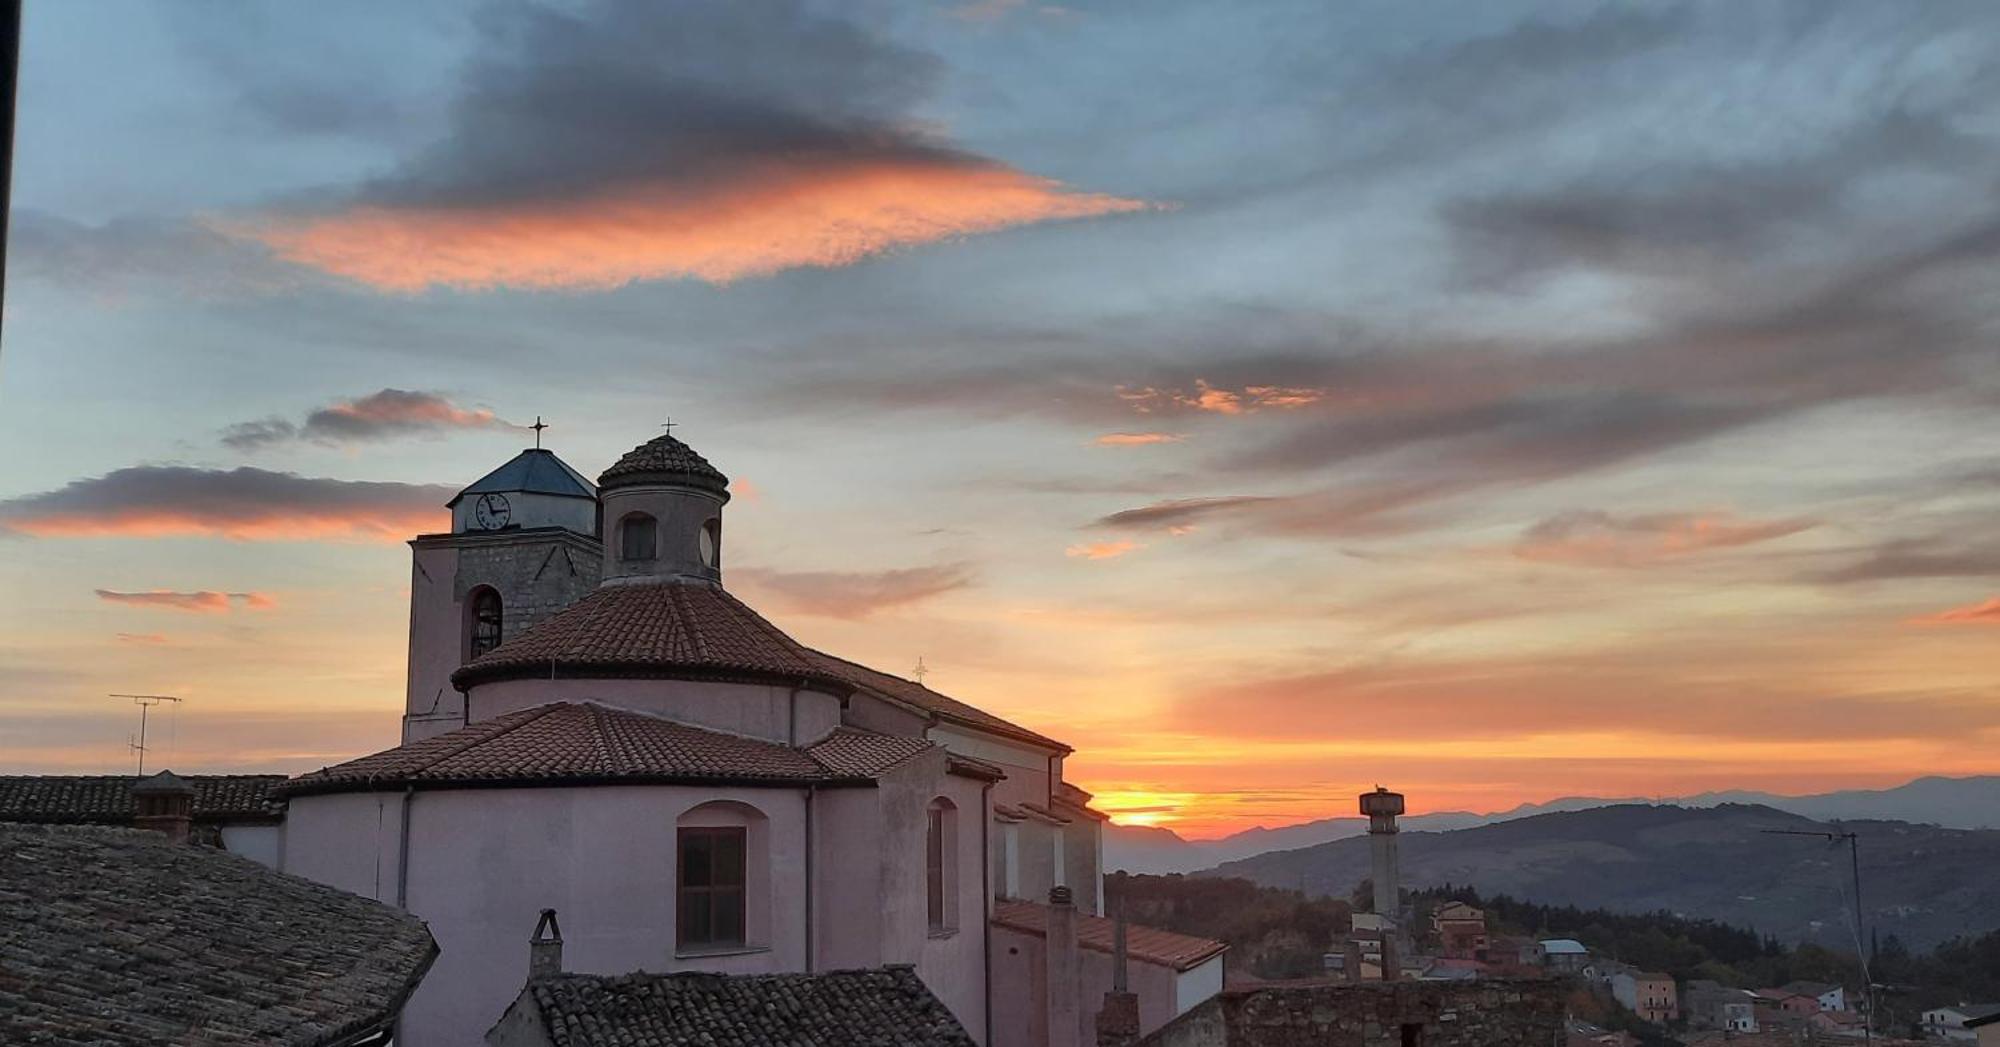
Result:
[712,884]
[486,620]
[940,885]
[711,543]
[638,537]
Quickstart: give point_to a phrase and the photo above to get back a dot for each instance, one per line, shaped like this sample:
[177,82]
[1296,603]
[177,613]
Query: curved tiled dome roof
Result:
[657,629]
[664,459]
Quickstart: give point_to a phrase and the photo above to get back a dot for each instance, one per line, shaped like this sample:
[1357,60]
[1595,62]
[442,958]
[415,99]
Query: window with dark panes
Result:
[712,878]
[638,537]
[934,867]
[485,621]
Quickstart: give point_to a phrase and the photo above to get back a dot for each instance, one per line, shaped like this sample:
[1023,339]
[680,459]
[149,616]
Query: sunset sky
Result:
[1498,402]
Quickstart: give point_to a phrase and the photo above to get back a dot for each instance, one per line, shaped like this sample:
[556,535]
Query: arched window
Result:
[486,621]
[638,537]
[711,543]
[722,878]
[941,866]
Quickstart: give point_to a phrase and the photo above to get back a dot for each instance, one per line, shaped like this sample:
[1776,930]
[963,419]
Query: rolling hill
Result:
[1960,803]
[1921,883]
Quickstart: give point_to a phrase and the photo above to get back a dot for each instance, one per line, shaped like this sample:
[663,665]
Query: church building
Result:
[596,725]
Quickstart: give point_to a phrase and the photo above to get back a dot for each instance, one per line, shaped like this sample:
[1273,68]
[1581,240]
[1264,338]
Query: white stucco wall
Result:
[259,843]
[773,713]
[437,622]
[1020,990]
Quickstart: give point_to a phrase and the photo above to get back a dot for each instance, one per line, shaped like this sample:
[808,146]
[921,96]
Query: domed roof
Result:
[664,459]
[652,630]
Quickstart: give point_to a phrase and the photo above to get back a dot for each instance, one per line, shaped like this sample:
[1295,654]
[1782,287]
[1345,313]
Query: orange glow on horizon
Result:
[718,234]
[389,527]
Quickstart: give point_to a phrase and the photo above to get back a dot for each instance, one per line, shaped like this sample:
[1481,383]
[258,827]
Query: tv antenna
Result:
[1853,841]
[145,702]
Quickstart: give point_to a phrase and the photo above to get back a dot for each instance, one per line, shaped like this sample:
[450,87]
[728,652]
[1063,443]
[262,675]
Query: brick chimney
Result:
[545,947]
[166,805]
[1118,1021]
[1064,971]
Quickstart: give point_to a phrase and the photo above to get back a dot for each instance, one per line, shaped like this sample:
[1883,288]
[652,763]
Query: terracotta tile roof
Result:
[867,1008]
[909,692]
[118,936]
[652,629]
[864,753]
[106,799]
[1146,944]
[663,459]
[583,742]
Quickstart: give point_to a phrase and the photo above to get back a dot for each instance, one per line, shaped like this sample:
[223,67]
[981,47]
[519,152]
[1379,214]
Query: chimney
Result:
[545,949]
[165,802]
[1064,971]
[1118,1022]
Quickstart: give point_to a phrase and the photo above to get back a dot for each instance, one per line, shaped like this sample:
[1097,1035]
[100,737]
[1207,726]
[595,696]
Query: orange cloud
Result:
[203,601]
[245,503]
[1102,550]
[1218,400]
[1987,613]
[144,639]
[754,226]
[1600,539]
[1137,439]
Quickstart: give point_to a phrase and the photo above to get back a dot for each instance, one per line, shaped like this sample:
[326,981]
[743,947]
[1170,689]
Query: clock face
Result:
[491,511]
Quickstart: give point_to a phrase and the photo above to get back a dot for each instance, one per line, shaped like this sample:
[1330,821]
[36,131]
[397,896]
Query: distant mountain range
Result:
[1957,803]
[1922,883]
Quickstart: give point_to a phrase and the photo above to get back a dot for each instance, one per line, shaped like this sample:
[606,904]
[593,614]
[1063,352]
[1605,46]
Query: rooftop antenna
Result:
[1853,841]
[921,670]
[538,427]
[145,702]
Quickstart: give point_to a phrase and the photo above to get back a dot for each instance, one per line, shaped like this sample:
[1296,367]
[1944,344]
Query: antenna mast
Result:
[145,702]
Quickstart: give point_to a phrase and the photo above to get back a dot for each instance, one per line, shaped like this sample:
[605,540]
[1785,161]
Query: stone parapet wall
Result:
[1499,1013]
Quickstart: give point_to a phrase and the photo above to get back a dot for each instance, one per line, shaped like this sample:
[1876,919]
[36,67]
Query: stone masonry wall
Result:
[1500,1013]
[535,574]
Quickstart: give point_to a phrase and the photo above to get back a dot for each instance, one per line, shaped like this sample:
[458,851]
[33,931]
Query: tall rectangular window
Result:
[934,856]
[711,887]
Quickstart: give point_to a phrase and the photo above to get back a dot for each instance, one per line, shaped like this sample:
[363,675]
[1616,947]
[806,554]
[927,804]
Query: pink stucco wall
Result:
[434,612]
[1020,990]
[484,862]
[752,710]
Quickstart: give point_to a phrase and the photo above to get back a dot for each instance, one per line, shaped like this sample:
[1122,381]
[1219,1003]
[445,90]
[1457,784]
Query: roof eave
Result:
[397,782]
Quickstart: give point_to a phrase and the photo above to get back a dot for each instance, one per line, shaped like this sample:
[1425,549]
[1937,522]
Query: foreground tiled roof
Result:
[652,629]
[663,459]
[943,706]
[584,742]
[106,799]
[118,936]
[1148,944]
[865,1008]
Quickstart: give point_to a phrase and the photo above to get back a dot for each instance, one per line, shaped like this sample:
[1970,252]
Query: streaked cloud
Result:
[1182,511]
[203,601]
[1595,538]
[1102,550]
[144,639]
[853,594]
[156,501]
[630,142]
[1985,613]
[1218,400]
[379,415]
[1138,439]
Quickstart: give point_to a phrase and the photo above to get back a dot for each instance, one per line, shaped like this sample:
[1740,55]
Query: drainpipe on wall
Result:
[986,902]
[812,959]
[403,851]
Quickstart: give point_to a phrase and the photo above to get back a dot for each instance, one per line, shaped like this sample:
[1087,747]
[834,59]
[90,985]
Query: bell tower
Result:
[663,515]
[523,545]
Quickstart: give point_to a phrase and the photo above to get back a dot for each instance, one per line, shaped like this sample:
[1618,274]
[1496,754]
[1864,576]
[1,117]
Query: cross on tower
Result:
[921,670]
[668,425]
[538,427]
